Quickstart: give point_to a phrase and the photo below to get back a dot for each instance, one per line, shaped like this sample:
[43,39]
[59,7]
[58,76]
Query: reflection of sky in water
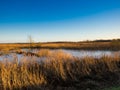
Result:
[20,58]
[11,57]
[75,53]
[83,53]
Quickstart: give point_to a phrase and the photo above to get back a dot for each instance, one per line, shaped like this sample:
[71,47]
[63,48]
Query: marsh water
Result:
[75,53]
[96,53]
[83,53]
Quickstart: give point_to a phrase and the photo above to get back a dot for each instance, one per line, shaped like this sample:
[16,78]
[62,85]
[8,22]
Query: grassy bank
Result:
[113,88]
[59,71]
[85,45]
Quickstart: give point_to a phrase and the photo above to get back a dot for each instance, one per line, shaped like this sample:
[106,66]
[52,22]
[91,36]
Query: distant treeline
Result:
[106,40]
[100,40]
[113,44]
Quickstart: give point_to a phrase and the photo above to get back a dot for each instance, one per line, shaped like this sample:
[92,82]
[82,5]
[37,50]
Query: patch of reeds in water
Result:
[59,70]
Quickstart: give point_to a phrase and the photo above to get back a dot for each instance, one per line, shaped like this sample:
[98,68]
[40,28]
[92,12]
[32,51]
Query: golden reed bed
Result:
[59,71]
[85,45]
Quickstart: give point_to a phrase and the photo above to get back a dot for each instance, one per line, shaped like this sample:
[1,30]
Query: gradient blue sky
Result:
[59,20]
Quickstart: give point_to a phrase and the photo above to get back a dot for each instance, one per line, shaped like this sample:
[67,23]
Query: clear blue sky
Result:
[59,20]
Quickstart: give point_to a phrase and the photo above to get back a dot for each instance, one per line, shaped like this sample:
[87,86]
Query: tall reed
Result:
[59,69]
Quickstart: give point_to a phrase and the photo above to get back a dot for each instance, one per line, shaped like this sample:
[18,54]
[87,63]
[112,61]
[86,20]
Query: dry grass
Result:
[86,45]
[59,71]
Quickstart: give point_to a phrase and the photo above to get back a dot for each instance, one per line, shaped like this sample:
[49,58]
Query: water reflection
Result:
[97,53]
[75,53]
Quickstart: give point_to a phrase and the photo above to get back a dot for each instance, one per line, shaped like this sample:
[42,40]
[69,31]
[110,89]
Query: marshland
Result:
[59,44]
[93,65]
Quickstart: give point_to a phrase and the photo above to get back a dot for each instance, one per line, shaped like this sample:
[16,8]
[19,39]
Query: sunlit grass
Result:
[59,69]
[85,45]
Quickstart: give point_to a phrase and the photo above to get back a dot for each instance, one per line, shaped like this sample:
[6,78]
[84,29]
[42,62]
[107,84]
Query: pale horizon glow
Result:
[100,25]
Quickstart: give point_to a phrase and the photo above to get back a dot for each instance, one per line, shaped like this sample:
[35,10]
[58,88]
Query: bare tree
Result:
[31,42]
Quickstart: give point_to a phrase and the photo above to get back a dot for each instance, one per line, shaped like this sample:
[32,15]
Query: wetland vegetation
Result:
[49,66]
